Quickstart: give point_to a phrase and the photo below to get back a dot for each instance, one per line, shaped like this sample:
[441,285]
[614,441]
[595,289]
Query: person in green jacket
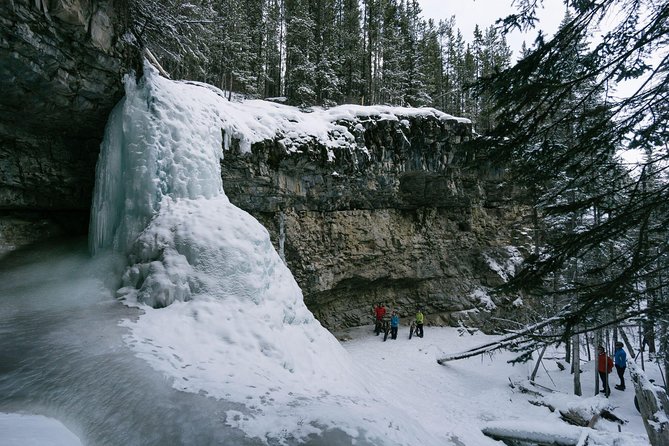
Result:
[419,322]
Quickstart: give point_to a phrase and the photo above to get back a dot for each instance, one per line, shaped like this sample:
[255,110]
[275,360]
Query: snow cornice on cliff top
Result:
[253,121]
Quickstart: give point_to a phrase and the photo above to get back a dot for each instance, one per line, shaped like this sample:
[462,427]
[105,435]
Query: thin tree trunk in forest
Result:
[598,342]
[155,63]
[627,342]
[666,370]
[576,364]
[641,340]
[649,335]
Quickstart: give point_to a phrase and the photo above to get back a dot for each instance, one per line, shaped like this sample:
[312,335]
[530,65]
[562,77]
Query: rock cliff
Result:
[61,63]
[405,220]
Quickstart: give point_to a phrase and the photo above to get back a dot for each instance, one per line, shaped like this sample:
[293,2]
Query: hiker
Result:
[379,313]
[604,367]
[620,360]
[419,322]
[394,324]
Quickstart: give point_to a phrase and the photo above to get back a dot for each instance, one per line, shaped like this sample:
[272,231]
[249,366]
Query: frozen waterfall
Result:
[214,344]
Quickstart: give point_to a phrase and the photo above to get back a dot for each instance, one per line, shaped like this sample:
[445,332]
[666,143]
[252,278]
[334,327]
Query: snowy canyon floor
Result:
[455,400]
[462,397]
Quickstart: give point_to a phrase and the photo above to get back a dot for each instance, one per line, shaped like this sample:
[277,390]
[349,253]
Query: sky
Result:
[469,13]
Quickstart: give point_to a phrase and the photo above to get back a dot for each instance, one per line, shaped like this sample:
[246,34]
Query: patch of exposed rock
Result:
[400,221]
[61,63]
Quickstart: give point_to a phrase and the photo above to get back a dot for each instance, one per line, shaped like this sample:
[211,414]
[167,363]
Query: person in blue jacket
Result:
[620,360]
[394,324]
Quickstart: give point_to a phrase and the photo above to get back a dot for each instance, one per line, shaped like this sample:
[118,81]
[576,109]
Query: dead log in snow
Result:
[524,389]
[536,384]
[513,339]
[610,416]
[542,404]
[574,418]
[547,434]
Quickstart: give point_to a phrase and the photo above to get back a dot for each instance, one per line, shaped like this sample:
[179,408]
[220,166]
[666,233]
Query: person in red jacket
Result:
[604,367]
[379,313]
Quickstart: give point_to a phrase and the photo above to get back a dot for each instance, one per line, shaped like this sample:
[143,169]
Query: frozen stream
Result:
[62,355]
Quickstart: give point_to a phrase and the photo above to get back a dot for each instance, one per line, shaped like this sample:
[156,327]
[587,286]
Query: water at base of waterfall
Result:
[62,355]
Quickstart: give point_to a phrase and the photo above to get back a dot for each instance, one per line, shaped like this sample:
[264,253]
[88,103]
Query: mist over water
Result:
[62,355]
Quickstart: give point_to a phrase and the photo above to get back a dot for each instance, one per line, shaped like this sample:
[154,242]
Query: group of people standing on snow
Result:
[380,318]
[605,365]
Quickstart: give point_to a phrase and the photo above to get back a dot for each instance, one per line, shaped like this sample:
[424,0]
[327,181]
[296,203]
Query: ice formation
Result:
[223,315]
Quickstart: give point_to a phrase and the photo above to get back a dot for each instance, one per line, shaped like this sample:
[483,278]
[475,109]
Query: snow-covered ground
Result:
[452,403]
[455,401]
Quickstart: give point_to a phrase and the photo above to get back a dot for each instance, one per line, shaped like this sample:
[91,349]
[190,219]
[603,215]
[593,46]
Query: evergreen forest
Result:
[325,52]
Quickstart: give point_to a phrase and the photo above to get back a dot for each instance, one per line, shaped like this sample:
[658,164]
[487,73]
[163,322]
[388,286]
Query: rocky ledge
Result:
[407,219]
[60,76]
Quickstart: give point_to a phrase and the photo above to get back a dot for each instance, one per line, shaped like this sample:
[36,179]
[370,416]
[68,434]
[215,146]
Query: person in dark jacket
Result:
[604,367]
[620,361]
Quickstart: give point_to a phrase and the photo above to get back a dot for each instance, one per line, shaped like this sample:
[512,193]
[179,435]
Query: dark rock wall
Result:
[61,63]
[401,220]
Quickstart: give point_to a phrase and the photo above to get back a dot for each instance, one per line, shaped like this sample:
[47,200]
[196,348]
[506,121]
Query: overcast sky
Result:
[469,13]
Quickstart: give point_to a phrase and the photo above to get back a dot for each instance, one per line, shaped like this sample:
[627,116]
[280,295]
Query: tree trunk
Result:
[536,367]
[649,335]
[543,435]
[576,365]
[598,341]
[627,342]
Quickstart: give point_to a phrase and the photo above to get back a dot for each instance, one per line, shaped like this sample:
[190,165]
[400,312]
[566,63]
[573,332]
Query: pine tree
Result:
[493,55]
[274,48]
[416,94]
[433,64]
[446,32]
[392,78]
[172,30]
[350,50]
[327,83]
[300,50]
[558,118]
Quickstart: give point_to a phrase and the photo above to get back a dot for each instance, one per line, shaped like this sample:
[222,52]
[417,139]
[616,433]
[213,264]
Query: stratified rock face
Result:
[60,75]
[399,221]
